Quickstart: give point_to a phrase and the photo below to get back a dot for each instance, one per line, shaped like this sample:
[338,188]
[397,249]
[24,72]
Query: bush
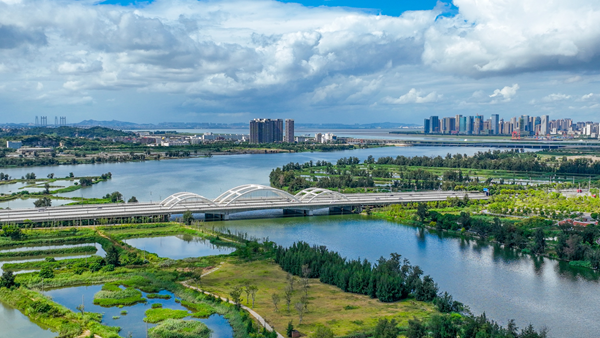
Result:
[156,305]
[46,272]
[108,267]
[177,328]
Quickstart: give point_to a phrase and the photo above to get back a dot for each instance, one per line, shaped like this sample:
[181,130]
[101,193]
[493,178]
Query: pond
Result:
[15,324]
[132,323]
[500,282]
[100,253]
[179,247]
[26,203]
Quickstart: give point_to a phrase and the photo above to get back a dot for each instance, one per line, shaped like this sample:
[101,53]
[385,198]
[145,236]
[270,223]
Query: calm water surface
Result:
[179,247]
[132,322]
[499,282]
[15,324]
[209,177]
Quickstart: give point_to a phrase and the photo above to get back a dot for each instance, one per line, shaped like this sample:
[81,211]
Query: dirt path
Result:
[253,313]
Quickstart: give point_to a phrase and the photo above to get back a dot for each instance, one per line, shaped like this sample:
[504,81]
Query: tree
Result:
[416,329]
[236,295]
[46,188]
[422,211]
[253,290]
[7,280]
[43,202]
[300,308]
[46,272]
[132,200]
[112,256]
[322,332]
[287,295]
[291,280]
[539,244]
[275,299]
[289,329]
[114,197]
[386,329]
[12,231]
[188,217]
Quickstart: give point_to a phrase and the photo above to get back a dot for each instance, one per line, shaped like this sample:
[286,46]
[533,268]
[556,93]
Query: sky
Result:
[334,61]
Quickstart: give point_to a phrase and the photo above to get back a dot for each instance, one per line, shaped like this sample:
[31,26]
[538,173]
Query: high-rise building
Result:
[427,126]
[448,124]
[462,125]
[457,120]
[544,127]
[435,124]
[478,124]
[469,126]
[262,131]
[278,130]
[495,124]
[289,131]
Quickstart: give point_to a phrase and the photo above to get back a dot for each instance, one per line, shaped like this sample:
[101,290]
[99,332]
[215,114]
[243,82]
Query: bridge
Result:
[249,197]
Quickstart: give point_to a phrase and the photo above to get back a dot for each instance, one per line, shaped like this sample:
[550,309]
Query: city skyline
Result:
[310,60]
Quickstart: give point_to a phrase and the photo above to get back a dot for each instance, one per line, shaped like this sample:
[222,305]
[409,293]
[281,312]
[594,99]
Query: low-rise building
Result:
[14,144]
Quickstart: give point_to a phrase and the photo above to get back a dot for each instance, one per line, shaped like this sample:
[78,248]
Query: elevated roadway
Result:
[240,199]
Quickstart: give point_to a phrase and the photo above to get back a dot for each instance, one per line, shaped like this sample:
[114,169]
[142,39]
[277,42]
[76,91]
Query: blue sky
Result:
[315,61]
[393,8]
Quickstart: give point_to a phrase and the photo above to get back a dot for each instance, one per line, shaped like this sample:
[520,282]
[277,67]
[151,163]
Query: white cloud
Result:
[556,97]
[414,96]
[506,93]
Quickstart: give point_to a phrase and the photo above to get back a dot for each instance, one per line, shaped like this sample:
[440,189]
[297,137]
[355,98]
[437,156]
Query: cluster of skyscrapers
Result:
[523,125]
[271,131]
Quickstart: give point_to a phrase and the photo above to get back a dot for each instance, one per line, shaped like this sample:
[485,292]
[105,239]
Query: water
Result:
[28,203]
[209,177]
[132,322]
[100,253]
[178,247]
[15,324]
[503,284]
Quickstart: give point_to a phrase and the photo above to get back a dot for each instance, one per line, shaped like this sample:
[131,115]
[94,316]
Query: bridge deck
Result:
[122,210]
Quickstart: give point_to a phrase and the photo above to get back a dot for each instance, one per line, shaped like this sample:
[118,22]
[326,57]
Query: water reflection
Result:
[179,247]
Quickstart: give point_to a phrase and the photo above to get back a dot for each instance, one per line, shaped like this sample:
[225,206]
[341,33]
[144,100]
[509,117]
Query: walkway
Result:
[258,317]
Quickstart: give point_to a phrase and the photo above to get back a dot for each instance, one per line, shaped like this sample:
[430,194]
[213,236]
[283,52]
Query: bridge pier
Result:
[297,212]
[345,210]
[216,217]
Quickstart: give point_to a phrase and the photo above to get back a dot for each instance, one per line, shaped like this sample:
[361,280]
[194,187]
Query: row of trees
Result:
[388,280]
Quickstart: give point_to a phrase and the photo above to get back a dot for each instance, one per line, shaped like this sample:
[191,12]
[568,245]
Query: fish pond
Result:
[179,247]
[131,318]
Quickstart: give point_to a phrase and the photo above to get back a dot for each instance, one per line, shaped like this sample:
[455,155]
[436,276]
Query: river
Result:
[488,279]
[209,177]
[500,282]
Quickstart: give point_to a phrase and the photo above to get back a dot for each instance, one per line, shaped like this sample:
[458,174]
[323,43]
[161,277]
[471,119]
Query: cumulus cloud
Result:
[414,96]
[506,93]
[489,38]
[245,55]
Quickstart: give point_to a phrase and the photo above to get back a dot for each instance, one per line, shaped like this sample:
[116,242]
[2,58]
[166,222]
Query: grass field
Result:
[344,313]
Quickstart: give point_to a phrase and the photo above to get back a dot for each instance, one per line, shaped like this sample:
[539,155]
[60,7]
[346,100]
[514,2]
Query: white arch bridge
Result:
[244,198]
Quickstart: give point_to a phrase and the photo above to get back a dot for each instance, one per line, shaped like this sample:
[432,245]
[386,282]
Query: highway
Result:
[242,203]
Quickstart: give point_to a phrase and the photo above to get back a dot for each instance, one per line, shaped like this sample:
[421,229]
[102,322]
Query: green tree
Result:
[46,188]
[46,272]
[7,280]
[112,256]
[132,200]
[322,332]
[43,202]
[236,295]
[386,329]
[12,231]
[422,211]
[275,299]
[289,329]
[539,243]
[188,217]
[416,329]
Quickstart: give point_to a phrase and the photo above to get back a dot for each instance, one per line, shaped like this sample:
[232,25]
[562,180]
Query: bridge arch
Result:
[236,193]
[308,195]
[182,197]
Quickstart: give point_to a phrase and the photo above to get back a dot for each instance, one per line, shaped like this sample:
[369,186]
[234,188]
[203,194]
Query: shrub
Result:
[156,305]
[177,328]
[46,272]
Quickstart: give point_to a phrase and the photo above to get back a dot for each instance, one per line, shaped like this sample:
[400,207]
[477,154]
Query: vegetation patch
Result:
[200,310]
[156,315]
[158,295]
[177,328]
[51,252]
[112,295]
